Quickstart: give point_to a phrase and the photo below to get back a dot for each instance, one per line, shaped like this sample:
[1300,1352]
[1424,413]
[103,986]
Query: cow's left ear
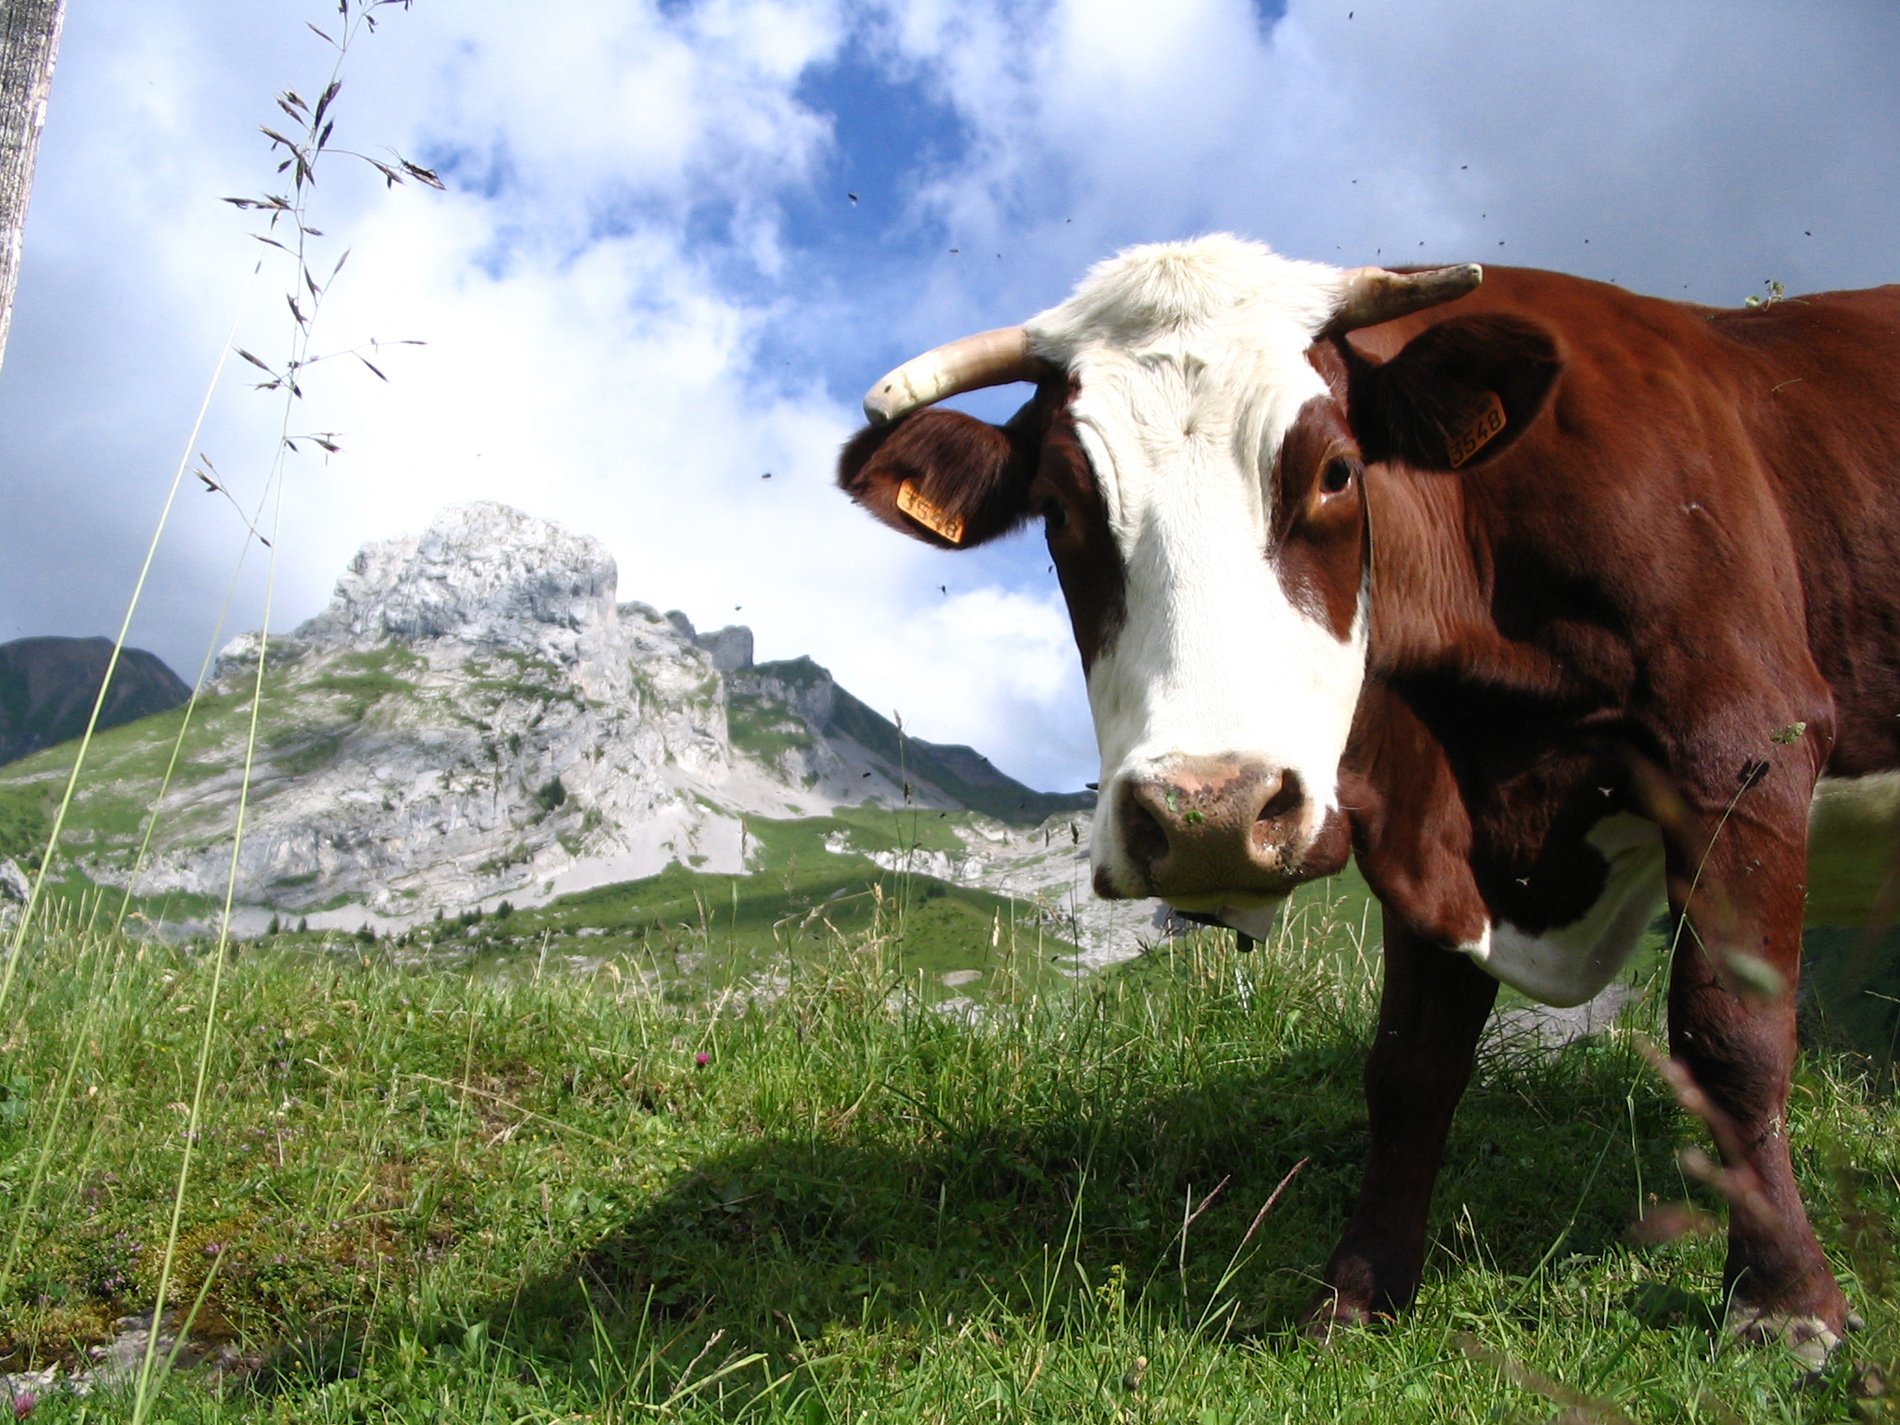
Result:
[1458,394]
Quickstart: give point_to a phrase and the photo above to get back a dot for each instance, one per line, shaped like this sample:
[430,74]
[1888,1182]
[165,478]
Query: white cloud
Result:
[1690,143]
[574,110]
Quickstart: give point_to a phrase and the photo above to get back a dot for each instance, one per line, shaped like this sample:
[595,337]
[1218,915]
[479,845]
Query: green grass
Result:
[506,674]
[366,678]
[1850,985]
[763,728]
[423,1196]
[887,828]
[758,727]
[706,934]
[23,825]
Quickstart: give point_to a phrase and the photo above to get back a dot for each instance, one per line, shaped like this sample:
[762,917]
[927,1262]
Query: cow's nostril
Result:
[1143,834]
[1285,803]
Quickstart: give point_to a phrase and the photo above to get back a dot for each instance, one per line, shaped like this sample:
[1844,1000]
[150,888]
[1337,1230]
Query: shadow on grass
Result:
[1089,1210]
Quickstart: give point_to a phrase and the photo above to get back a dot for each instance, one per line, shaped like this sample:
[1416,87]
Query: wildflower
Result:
[23,1403]
[702,1058]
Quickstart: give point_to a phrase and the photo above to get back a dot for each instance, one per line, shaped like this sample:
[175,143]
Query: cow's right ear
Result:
[942,476]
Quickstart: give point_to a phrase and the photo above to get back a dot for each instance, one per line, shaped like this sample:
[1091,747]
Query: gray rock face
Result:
[731,648]
[471,717]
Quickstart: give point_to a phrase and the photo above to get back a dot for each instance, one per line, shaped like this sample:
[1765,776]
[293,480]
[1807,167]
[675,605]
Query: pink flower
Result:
[23,1404]
[702,1058]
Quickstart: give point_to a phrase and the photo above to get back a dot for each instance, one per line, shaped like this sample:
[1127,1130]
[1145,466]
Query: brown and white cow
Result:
[1550,602]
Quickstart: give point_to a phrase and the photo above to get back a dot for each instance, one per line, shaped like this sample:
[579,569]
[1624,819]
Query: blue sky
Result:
[646,284]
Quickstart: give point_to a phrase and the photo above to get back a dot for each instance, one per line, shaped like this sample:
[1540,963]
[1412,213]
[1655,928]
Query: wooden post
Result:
[29,40]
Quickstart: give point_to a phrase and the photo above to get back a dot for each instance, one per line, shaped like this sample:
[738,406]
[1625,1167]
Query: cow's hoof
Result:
[1331,1312]
[1810,1339]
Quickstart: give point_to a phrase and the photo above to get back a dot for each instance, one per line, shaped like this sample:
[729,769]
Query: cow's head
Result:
[1195,448]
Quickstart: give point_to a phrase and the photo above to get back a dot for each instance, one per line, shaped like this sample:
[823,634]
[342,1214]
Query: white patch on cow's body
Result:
[1569,964]
[1191,366]
[1848,819]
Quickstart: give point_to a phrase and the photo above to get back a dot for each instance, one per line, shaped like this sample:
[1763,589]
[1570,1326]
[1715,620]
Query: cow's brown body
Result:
[1666,593]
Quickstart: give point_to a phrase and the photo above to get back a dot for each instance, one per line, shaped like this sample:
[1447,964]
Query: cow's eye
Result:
[1054,514]
[1337,475]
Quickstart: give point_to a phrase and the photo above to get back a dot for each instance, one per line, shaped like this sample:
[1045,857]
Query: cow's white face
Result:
[1192,455]
[1225,691]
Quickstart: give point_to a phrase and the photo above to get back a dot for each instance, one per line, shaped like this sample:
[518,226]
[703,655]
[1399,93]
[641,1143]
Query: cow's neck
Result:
[1490,812]
[1428,592]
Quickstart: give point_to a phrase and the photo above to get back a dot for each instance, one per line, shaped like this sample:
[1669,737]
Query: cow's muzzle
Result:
[1204,830]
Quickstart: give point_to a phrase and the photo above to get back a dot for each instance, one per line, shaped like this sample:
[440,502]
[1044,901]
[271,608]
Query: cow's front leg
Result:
[1432,1009]
[1732,1026]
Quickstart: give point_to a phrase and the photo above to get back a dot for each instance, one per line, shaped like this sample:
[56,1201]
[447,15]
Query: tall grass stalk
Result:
[143,1397]
[176,755]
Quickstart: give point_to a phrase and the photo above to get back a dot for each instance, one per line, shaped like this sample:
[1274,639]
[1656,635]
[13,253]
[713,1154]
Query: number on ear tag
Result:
[938,521]
[1484,425]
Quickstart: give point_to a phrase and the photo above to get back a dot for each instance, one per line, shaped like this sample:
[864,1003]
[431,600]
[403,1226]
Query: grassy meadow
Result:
[415,1193]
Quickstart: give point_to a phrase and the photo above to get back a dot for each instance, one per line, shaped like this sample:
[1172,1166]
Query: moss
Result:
[313,756]
[762,727]
[365,678]
[519,854]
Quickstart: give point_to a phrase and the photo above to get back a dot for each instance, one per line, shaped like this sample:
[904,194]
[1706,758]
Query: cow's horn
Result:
[992,358]
[1372,294]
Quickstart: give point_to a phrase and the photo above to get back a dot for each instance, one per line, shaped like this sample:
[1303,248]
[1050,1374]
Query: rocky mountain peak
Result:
[482,574]
[730,648]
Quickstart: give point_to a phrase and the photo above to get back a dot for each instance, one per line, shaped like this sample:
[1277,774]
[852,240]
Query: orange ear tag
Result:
[1486,424]
[939,522]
